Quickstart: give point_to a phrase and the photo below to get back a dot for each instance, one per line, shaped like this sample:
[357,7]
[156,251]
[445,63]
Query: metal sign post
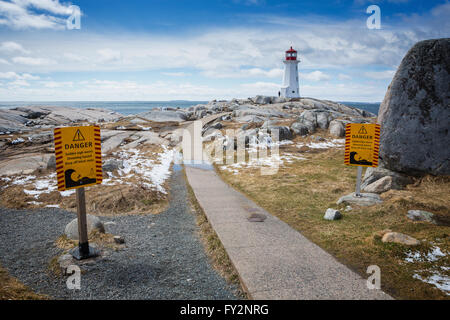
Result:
[358,183]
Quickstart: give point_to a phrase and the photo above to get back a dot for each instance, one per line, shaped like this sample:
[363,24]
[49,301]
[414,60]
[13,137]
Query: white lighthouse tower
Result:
[290,88]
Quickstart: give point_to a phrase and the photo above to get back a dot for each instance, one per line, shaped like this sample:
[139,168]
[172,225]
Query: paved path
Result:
[273,260]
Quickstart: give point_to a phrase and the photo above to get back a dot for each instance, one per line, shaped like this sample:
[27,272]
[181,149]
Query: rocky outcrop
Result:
[380,179]
[365,200]
[165,115]
[415,113]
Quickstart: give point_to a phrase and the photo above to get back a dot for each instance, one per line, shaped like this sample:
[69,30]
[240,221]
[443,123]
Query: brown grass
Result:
[12,289]
[300,193]
[106,200]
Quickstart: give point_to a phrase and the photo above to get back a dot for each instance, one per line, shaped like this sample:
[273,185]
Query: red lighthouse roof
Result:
[291,54]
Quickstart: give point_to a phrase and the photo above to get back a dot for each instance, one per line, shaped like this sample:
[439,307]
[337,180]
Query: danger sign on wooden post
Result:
[78,157]
[362,143]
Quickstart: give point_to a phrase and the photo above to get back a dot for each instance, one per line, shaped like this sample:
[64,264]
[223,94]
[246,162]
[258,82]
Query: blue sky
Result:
[202,50]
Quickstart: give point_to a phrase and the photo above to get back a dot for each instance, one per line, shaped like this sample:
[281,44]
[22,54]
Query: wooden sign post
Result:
[362,144]
[79,164]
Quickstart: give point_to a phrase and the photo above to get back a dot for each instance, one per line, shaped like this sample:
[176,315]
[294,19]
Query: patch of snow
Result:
[154,173]
[17,141]
[323,144]
[44,185]
[67,193]
[21,180]
[35,202]
[144,128]
[434,255]
[52,206]
[442,282]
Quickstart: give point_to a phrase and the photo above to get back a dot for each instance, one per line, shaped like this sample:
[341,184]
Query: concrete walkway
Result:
[273,260]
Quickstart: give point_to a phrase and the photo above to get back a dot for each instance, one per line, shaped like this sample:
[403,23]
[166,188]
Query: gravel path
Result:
[163,258]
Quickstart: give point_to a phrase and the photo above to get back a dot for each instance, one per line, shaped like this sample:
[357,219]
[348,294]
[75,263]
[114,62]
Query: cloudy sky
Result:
[202,50]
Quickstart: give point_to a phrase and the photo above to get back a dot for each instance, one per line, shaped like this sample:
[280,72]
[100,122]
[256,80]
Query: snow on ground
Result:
[434,255]
[323,144]
[135,164]
[442,282]
[272,161]
[437,278]
[153,173]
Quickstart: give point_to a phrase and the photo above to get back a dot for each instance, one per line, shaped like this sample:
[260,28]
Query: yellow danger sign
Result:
[78,157]
[362,143]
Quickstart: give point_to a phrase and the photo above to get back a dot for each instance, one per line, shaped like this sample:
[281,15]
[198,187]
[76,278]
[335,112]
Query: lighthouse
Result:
[290,88]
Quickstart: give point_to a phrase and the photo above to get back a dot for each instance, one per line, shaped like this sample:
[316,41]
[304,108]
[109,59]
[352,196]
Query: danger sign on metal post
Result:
[78,157]
[362,143]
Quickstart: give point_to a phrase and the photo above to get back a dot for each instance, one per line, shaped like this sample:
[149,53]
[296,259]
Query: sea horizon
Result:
[135,107]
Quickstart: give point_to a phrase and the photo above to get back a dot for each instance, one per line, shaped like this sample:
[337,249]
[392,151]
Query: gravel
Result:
[163,257]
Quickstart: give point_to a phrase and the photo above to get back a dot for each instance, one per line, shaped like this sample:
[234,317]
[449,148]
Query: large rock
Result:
[372,175]
[165,116]
[24,164]
[400,238]
[381,185]
[262,99]
[337,129]
[332,214]
[299,129]
[366,199]
[415,113]
[420,215]
[284,133]
[93,223]
[112,165]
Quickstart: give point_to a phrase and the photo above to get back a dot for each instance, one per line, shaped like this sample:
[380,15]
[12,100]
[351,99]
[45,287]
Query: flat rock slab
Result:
[366,199]
[273,260]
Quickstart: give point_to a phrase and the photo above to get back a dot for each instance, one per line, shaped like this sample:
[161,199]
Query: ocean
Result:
[134,107]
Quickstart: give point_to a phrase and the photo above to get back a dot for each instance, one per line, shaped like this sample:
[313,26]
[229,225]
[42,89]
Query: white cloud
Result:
[55,84]
[12,75]
[176,74]
[11,46]
[32,61]
[3,61]
[315,76]
[19,83]
[109,55]
[343,76]
[19,14]
[380,75]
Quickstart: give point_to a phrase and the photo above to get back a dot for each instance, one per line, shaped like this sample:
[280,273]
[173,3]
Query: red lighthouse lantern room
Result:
[291,54]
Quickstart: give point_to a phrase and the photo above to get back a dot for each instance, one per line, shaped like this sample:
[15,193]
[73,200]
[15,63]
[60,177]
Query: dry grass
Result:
[131,197]
[102,240]
[213,247]
[300,193]
[12,289]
